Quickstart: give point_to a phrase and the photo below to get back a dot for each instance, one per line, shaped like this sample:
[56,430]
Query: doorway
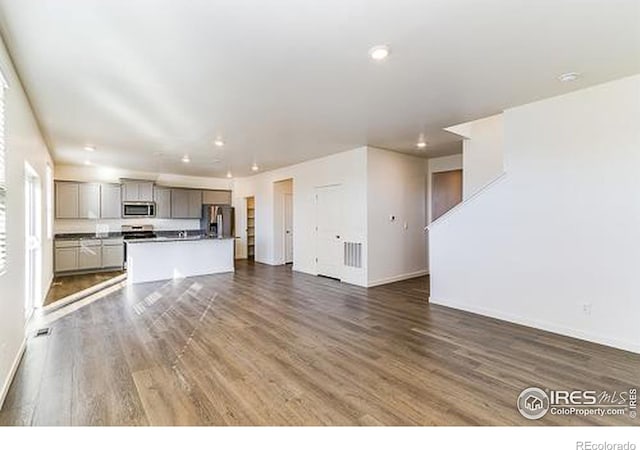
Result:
[33,241]
[283,227]
[251,228]
[328,231]
[446,191]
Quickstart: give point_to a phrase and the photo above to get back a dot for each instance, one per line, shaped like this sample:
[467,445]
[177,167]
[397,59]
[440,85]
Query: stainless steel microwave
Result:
[138,209]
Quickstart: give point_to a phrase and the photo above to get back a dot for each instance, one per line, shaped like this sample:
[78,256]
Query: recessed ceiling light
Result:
[569,76]
[89,148]
[379,52]
[255,167]
[219,142]
[186,159]
[229,175]
[87,163]
[421,144]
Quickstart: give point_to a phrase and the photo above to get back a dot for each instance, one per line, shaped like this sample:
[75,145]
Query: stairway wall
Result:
[555,244]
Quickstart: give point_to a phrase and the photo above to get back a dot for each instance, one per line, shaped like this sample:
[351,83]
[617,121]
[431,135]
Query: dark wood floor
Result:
[265,346]
[63,286]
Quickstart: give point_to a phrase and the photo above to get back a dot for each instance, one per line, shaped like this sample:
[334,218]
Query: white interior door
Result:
[288,228]
[33,227]
[328,231]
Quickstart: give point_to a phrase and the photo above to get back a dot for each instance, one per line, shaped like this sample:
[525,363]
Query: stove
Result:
[137,232]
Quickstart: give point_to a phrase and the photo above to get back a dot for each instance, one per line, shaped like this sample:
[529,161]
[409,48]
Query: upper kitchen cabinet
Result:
[186,204]
[195,204]
[162,197]
[75,200]
[67,199]
[216,197]
[110,201]
[137,191]
[89,201]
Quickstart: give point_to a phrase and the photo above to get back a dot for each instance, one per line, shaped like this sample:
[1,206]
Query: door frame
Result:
[284,222]
[33,240]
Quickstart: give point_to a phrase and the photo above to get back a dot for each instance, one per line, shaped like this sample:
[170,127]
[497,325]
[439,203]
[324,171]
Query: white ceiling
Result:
[283,81]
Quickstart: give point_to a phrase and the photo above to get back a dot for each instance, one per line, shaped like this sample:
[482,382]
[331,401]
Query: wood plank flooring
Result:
[63,286]
[266,346]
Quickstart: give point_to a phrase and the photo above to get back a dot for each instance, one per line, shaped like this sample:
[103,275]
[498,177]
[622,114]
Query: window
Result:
[3,180]
[49,200]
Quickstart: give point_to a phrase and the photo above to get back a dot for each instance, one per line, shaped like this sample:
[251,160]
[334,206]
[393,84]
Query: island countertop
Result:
[195,237]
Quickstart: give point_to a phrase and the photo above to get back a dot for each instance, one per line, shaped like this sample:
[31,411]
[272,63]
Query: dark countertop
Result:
[80,236]
[164,234]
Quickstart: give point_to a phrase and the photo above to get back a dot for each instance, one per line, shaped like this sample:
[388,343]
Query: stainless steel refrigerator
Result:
[218,220]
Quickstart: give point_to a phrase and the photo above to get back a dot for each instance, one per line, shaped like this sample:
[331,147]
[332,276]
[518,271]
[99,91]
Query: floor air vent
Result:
[353,254]
[43,332]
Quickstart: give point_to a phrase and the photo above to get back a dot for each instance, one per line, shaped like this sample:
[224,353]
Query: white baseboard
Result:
[405,276]
[12,372]
[633,347]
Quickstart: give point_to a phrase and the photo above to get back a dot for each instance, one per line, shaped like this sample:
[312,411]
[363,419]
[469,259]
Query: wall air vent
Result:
[43,332]
[353,254]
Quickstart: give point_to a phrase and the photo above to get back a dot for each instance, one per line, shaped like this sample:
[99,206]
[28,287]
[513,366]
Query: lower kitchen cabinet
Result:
[88,255]
[113,256]
[66,259]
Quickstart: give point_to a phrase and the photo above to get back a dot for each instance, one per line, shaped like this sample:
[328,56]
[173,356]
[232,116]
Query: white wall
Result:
[280,189]
[395,187]
[24,144]
[347,169]
[555,244]
[482,154]
[112,175]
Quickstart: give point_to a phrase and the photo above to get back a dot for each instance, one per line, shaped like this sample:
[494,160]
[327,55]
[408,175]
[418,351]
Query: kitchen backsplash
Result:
[91,226]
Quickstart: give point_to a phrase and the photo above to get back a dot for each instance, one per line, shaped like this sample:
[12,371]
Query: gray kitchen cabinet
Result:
[186,203]
[90,255]
[195,204]
[113,255]
[67,199]
[137,191]
[110,201]
[162,197]
[216,197]
[145,191]
[66,259]
[88,201]
[179,203]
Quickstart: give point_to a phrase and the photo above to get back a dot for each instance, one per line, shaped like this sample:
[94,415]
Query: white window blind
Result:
[3,180]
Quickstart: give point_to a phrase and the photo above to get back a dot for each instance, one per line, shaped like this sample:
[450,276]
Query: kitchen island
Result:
[165,258]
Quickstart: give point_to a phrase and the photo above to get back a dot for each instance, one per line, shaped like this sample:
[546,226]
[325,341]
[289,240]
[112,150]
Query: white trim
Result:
[4,84]
[12,372]
[405,276]
[544,326]
[46,290]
